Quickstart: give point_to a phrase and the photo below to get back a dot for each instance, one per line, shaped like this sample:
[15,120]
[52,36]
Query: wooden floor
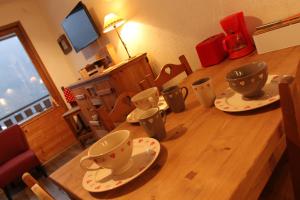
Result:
[278,188]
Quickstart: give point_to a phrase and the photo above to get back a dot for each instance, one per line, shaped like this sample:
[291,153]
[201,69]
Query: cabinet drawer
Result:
[102,85]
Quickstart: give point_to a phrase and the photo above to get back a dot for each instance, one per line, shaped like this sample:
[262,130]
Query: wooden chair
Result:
[289,89]
[121,109]
[169,71]
[75,119]
[36,188]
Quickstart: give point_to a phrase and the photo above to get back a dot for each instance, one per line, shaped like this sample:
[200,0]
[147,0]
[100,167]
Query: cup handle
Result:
[186,92]
[85,158]
[163,113]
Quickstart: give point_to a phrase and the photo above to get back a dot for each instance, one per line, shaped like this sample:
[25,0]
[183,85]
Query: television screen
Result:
[80,28]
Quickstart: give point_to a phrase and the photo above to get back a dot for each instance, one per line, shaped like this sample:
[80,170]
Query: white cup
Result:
[113,151]
[204,92]
[146,99]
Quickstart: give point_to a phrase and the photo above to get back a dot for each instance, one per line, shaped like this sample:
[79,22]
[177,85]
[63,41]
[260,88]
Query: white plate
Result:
[231,101]
[145,152]
[133,117]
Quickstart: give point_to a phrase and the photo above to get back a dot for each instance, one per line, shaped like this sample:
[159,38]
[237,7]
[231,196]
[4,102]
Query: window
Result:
[22,91]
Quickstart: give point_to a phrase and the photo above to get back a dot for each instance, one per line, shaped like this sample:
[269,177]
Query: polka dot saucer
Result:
[230,101]
[145,152]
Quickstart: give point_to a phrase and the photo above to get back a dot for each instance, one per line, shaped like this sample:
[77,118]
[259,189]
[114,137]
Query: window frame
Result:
[17,29]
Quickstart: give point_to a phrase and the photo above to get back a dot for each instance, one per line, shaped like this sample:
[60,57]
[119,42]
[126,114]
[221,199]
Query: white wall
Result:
[42,37]
[165,29]
[56,11]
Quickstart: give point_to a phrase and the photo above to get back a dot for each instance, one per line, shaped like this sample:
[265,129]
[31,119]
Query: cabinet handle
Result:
[96,102]
[80,97]
[94,123]
[105,91]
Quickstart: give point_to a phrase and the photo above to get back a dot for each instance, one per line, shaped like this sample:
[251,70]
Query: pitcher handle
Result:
[186,92]
[85,158]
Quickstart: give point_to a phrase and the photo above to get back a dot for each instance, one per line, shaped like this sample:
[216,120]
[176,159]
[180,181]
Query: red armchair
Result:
[15,157]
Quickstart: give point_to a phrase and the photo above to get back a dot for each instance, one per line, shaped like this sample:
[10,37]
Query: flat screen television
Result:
[80,27]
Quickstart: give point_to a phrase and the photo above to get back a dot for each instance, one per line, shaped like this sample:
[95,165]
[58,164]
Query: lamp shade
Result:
[112,21]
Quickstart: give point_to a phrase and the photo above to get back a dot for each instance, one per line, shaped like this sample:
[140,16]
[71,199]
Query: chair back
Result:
[33,184]
[69,96]
[12,143]
[123,106]
[169,71]
[289,89]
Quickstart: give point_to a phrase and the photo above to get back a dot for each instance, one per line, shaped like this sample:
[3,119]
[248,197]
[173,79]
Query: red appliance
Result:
[210,51]
[238,42]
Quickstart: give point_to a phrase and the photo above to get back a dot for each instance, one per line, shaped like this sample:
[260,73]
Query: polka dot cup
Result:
[249,79]
[113,151]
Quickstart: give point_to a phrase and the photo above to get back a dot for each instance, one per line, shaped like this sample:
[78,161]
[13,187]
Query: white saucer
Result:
[231,101]
[133,117]
[145,152]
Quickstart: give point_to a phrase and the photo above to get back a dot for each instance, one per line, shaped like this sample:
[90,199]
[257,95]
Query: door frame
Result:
[17,29]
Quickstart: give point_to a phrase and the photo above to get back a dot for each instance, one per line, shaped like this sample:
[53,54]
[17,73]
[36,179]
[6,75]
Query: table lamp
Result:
[112,22]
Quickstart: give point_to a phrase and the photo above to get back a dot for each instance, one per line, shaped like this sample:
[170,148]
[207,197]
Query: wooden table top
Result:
[208,154]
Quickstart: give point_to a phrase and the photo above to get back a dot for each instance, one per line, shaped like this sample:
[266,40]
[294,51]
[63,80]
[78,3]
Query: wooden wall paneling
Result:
[48,135]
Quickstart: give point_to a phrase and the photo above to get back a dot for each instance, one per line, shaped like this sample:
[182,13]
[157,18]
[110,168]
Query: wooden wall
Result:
[48,134]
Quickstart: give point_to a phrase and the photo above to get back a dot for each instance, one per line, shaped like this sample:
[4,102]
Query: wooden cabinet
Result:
[127,77]
[104,88]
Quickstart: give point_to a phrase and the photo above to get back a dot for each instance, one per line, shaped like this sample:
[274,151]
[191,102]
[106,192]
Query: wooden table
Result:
[209,154]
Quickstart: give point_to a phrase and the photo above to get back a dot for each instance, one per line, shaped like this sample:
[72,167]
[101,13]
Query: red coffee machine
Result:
[238,42]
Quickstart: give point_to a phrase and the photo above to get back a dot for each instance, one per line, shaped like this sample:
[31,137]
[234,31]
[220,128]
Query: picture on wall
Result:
[64,44]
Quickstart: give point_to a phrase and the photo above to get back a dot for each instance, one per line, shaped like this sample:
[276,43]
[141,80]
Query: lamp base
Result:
[131,57]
